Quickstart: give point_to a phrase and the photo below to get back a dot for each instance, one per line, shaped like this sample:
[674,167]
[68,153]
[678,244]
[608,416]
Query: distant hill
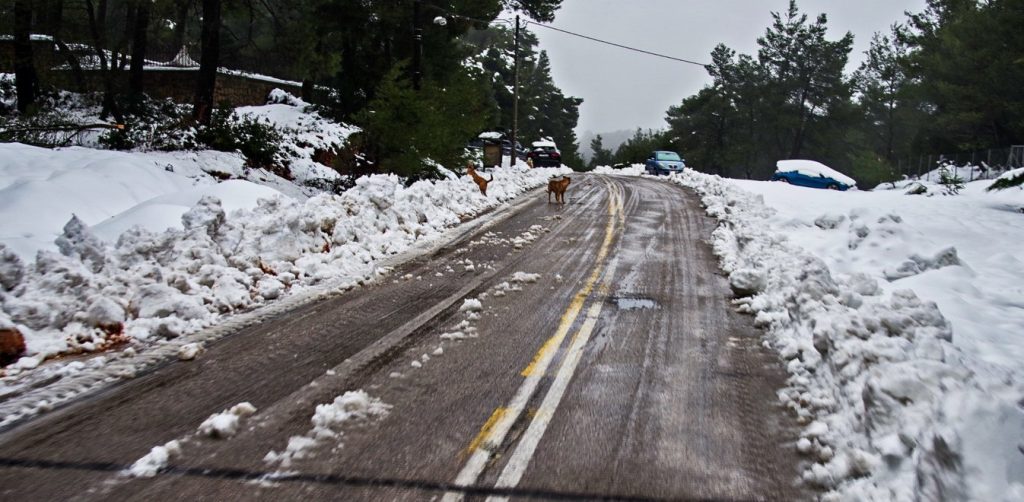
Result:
[611,141]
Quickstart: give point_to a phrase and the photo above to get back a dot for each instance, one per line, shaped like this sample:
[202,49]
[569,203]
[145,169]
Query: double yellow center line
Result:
[494,431]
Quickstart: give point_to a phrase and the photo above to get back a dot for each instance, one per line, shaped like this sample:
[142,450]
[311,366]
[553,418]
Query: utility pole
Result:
[515,96]
[417,46]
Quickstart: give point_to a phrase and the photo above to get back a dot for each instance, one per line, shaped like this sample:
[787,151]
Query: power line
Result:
[587,37]
[681,60]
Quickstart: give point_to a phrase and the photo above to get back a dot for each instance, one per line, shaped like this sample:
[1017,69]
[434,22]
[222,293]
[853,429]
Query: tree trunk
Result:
[97,25]
[50,17]
[26,79]
[180,23]
[135,78]
[307,90]
[207,81]
[891,134]
[798,136]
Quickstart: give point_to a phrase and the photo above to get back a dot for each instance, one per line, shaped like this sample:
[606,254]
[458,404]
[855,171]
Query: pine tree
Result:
[544,111]
[601,155]
[636,149]
[966,66]
[806,79]
[405,131]
[883,83]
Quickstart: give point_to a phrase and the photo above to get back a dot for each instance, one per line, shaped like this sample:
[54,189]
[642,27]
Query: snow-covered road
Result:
[581,351]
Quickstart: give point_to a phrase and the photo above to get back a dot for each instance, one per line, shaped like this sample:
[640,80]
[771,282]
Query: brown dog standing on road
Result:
[558,188]
[479,180]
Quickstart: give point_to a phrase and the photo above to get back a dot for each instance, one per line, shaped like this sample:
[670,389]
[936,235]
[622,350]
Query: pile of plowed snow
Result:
[88,291]
[899,318]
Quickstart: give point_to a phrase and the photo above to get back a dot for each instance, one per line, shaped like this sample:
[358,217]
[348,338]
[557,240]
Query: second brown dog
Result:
[558,188]
[480,181]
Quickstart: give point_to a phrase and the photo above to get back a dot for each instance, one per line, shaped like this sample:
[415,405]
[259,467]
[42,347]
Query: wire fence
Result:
[979,164]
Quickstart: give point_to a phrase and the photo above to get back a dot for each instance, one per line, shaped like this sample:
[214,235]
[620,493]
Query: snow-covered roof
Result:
[544,142]
[490,135]
[812,168]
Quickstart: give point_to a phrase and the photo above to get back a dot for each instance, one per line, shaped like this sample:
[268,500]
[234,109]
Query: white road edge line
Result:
[523,454]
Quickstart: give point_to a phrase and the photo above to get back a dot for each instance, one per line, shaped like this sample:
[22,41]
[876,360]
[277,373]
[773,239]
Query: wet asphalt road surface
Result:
[618,371]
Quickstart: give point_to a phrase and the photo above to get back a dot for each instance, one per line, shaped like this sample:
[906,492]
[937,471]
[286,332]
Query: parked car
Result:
[506,149]
[812,174]
[664,162]
[545,154]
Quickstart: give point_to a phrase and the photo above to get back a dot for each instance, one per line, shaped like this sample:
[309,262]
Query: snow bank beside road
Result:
[899,401]
[150,286]
[962,252]
[40,189]
[633,170]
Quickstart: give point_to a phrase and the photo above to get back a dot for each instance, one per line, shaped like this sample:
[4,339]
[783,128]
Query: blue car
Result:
[663,162]
[812,174]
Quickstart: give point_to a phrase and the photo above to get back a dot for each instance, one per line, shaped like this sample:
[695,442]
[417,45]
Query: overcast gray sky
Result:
[625,90]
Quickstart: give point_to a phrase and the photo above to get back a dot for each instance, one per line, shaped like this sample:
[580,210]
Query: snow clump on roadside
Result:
[471,305]
[891,408]
[157,459]
[328,419]
[225,424]
[189,351]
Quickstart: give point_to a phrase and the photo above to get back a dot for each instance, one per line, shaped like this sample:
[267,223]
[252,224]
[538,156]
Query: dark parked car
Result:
[812,174]
[664,162]
[506,149]
[545,154]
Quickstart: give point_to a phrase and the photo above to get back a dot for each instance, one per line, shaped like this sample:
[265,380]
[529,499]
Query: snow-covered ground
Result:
[111,191]
[901,322]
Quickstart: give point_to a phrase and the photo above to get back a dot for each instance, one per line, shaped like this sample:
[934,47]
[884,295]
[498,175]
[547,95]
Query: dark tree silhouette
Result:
[27,81]
[208,60]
